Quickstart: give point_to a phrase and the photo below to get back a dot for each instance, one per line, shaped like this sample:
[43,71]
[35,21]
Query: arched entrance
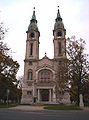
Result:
[44,94]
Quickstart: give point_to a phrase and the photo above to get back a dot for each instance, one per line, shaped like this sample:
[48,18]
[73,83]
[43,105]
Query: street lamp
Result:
[8,92]
[34,97]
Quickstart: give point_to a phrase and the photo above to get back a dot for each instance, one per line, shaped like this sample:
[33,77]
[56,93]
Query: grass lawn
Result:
[5,106]
[62,107]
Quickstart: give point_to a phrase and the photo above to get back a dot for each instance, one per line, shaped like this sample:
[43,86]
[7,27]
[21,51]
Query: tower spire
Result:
[58,20]
[59,40]
[58,9]
[58,16]
[34,16]
[33,22]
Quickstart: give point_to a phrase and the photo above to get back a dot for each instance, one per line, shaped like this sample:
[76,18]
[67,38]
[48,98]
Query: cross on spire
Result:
[45,53]
[58,9]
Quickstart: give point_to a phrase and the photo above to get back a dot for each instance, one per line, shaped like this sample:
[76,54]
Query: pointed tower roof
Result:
[33,16]
[33,22]
[58,21]
[58,16]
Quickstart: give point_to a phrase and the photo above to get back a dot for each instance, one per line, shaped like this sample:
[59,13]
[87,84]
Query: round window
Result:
[59,33]
[32,35]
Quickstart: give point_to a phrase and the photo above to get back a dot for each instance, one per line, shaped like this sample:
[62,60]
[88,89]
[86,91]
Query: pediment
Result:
[45,61]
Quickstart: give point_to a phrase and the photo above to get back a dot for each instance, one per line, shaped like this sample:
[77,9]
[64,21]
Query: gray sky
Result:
[16,15]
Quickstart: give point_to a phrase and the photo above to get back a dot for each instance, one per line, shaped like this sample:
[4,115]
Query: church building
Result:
[40,74]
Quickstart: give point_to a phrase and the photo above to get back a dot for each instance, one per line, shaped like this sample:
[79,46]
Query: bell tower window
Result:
[59,45]
[29,75]
[31,48]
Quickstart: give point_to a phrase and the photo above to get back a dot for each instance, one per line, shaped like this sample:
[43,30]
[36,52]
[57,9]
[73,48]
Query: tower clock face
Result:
[32,35]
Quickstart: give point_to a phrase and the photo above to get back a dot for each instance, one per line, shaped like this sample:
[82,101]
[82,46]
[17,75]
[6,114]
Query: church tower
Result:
[31,60]
[59,40]
[32,43]
[32,49]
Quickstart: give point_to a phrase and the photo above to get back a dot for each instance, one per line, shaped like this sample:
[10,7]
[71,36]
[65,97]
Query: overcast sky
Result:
[16,15]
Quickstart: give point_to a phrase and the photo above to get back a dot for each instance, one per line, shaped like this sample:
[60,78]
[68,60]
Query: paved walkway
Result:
[86,108]
[35,108]
[28,108]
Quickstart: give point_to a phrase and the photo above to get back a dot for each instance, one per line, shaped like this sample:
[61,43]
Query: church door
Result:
[45,95]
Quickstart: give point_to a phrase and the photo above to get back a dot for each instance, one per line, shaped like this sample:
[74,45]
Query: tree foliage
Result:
[78,66]
[8,68]
[15,93]
[62,78]
[74,71]
[20,81]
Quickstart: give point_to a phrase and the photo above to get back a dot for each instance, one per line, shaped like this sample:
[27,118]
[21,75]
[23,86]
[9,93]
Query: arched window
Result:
[30,75]
[45,75]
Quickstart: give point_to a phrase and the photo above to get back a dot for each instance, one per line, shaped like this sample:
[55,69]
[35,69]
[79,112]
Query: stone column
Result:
[38,95]
[54,94]
[50,95]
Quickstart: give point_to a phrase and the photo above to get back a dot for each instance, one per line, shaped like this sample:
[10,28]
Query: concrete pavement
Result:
[28,108]
[35,108]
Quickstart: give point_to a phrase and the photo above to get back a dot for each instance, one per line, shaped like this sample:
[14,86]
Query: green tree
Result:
[78,66]
[15,93]
[8,69]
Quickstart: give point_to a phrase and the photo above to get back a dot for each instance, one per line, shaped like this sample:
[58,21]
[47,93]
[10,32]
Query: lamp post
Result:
[34,96]
[8,92]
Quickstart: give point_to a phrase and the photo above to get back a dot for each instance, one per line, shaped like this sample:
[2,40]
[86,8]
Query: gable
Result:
[45,61]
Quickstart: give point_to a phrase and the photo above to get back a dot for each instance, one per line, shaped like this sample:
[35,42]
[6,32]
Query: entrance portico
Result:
[46,94]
